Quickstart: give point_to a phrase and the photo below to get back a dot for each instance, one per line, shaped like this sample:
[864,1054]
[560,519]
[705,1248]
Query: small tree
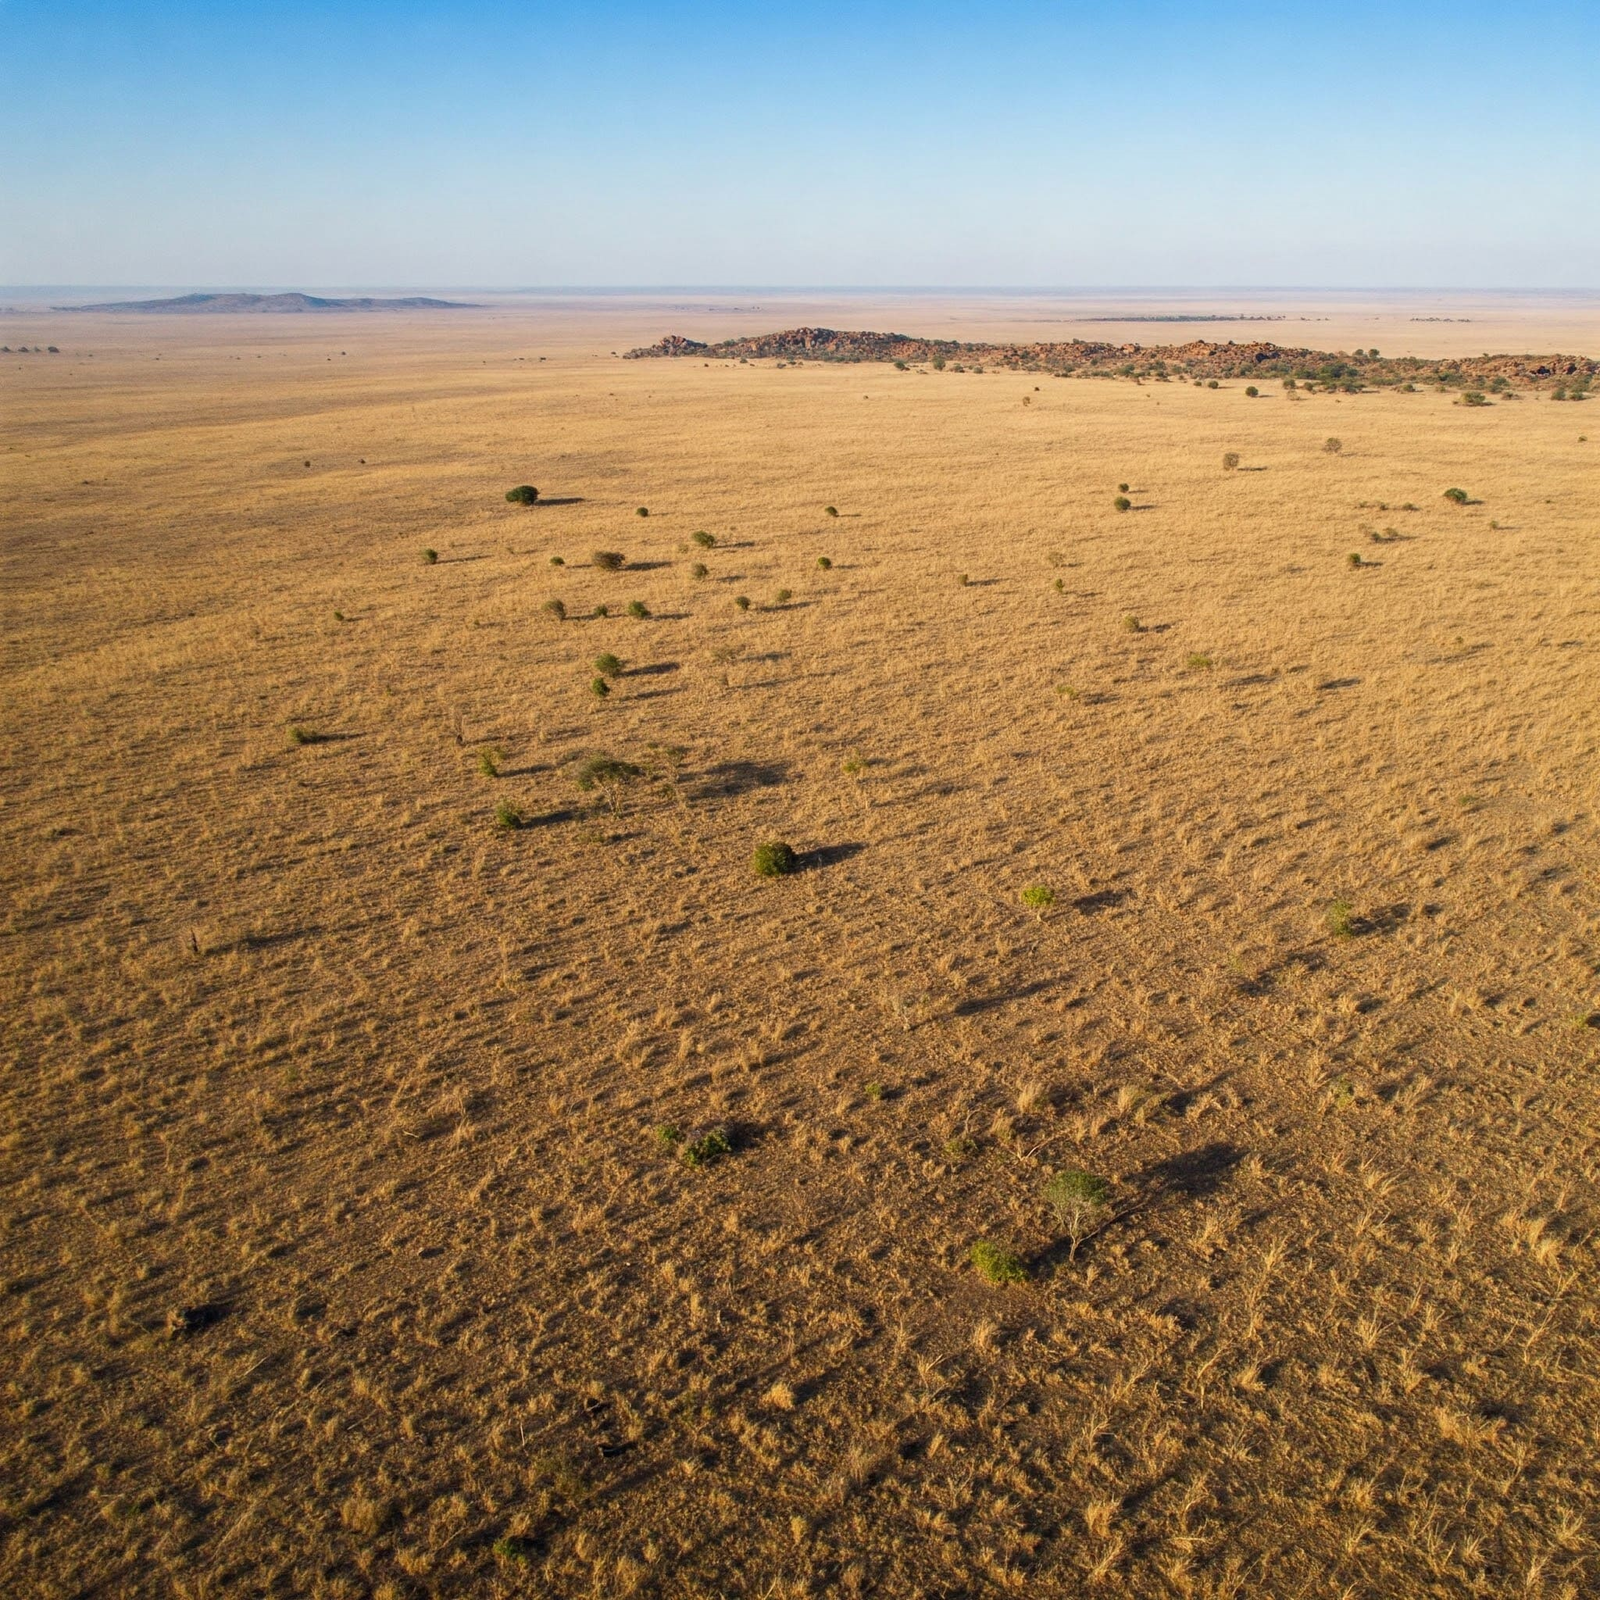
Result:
[1456,496]
[608,666]
[608,560]
[703,539]
[1122,503]
[523,495]
[608,777]
[1081,1202]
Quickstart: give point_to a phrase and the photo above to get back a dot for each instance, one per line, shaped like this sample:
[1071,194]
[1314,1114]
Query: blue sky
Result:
[519,145]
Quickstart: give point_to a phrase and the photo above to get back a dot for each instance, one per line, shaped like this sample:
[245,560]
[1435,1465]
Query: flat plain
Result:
[349,1245]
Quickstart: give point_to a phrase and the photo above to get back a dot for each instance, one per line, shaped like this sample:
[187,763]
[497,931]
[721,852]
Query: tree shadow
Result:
[1338,683]
[828,855]
[1100,900]
[1194,1173]
[561,500]
[732,778]
[989,1002]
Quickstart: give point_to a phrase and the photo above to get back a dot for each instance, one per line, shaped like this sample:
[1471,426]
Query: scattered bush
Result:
[523,495]
[507,817]
[489,762]
[1473,398]
[643,511]
[638,609]
[600,611]
[1341,919]
[669,1136]
[1252,391]
[607,665]
[1211,383]
[1332,446]
[823,563]
[1458,497]
[1230,460]
[1122,488]
[1354,558]
[1038,898]
[783,597]
[703,539]
[962,579]
[608,560]
[1123,503]
[742,601]
[430,556]
[556,609]
[830,511]
[1199,662]
[299,735]
[1131,624]
[711,1146]
[774,859]
[1081,1202]
[996,1264]
[600,689]
[556,561]
[699,571]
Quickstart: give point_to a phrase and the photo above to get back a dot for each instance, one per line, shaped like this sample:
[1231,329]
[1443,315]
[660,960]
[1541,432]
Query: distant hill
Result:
[273,304]
[1199,359]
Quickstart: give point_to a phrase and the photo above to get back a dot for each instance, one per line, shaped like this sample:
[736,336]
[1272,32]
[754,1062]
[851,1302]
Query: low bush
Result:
[489,760]
[608,665]
[608,777]
[1123,503]
[1199,662]
[1252,391]
[783,597]
[830,511]
[556,609]
[523,495]
[996,1264]
[742,601]
[557,561]
[1341,919]
[638,609]
[774,859]
[608,560]
[1131,624]
[699,571]
[643,511]
[600,689]
[1332,446]
[1038,897]
[823,563]
[710,1146]
[703,539]
[507,817]
[1458,497]
[430,556]
[1230,460]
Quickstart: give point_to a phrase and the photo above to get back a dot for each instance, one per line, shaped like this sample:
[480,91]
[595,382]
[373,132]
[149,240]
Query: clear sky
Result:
[1413,142]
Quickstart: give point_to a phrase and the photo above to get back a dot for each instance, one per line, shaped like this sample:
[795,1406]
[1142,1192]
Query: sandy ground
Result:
[348,1244]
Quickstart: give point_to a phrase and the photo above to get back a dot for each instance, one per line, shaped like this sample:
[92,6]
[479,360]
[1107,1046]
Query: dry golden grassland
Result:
[341,1252]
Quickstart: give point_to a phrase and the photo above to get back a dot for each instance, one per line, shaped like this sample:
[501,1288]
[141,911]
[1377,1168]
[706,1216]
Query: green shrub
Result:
[556,561]
[774,859]
[1211,383]
[711,1146]
[1354,558]
[1122,488]
[1123,503]
[1081,1202]
[600,611]
[489,762]
[996,1264]
[638,609]
[699,571]
[430,556]
[1252,391]
[1038,897]
[608,560]
[1341,919]
[1199,662]
[669,1136]
[600,688]
[643,511]
[823,563]
[1458,497]
[556,609]
[782,597]
[507,817]
[1230,460]
[523,495]
[1473,398]
[607,665]
[1131,624]
[1332,446]
[703,539]
[298,735]
[742,601]
[830,511]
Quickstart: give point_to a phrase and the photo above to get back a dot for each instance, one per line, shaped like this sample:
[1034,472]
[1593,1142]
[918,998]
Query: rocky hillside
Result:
[1199,358]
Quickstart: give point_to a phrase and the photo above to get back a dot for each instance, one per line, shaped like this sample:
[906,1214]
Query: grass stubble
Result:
[350,1244]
